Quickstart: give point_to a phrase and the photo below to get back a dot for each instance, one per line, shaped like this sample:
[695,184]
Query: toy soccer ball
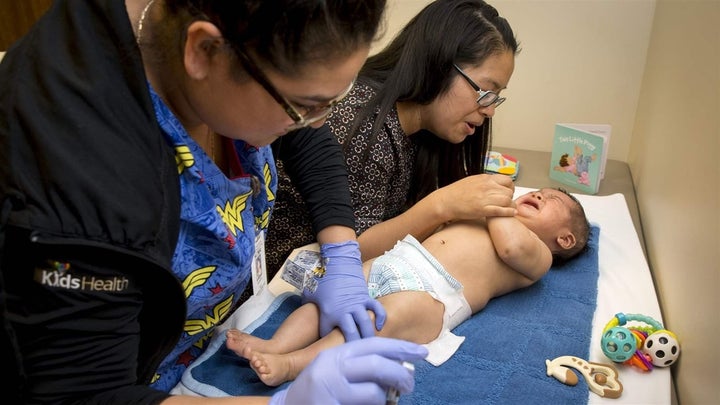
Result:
[662,347]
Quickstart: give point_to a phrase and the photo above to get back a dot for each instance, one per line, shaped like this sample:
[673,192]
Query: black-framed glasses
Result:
[309,115]
[485,98]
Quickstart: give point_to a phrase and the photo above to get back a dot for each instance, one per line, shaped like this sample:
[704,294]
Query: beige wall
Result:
[678,126]
[581,61]
[651,69]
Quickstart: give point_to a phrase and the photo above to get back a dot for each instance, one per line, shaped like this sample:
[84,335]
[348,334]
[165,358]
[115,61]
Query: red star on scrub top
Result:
[217,289]
[185,358]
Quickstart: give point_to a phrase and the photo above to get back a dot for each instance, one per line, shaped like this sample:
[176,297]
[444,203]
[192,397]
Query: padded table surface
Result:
[624,284]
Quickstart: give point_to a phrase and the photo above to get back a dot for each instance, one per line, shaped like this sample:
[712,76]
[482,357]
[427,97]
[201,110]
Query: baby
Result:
[430,288]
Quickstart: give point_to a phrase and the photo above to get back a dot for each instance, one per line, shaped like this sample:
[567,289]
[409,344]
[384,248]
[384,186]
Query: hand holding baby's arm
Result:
[476,197]
[473,197]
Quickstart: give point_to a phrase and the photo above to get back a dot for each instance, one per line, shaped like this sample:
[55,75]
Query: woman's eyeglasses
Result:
[309,115]
[485,98]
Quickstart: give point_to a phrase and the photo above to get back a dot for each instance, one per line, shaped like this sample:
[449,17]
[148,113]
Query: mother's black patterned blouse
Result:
[379,173]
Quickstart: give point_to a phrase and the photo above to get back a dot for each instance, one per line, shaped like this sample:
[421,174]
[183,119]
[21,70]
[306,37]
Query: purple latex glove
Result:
[342,293]
[358,372]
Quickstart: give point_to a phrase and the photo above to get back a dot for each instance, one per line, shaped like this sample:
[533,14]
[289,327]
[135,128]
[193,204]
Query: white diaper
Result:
[410,267]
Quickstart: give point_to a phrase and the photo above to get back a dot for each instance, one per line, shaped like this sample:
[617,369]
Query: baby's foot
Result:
[272,369]
[237,340]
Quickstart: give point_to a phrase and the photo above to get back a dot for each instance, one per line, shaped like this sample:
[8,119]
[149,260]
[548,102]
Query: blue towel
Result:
[501,361]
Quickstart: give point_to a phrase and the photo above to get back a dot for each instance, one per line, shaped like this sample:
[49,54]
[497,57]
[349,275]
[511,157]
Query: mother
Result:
[415,130]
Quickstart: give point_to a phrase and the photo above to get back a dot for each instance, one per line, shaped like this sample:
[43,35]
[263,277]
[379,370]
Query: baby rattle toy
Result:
[601,379]
[637,345]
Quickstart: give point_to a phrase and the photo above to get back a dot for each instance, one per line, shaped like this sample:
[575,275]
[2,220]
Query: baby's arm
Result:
[519,247]
[473,197]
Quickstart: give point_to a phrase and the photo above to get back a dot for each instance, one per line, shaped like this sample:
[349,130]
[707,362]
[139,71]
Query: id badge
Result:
[259,271]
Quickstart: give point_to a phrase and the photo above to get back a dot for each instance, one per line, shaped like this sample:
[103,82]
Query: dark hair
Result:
[579,226]
[291,34]
[417,66]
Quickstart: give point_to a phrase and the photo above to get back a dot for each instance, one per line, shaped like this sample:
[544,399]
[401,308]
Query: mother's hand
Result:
[473,197]
[477,196]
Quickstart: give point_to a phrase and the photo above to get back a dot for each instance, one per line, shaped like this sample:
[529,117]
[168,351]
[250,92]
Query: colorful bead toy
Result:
[639,346]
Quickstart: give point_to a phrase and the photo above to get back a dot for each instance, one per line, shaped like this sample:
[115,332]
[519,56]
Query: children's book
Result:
[496,162]
[579,154]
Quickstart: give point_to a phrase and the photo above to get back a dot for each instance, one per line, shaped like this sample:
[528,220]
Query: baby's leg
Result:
[411,315]
[298,330]
[272,369]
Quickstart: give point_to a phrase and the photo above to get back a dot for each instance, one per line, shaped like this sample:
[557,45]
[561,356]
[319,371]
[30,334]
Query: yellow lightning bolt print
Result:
[197,278]
[268,177]
[231,214]
[194,326]
[264,220]
[183,158]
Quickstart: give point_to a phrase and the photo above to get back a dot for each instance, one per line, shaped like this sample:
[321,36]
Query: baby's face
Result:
[545,211]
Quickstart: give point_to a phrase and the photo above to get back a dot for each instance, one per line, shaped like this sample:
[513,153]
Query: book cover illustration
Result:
[578,157]
[500,163]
